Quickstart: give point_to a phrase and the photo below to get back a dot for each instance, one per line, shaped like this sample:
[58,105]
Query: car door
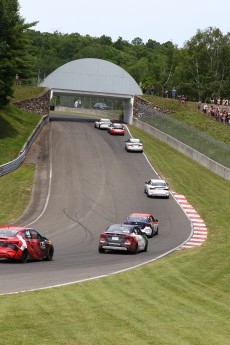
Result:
[140,239]
[154,224]
[39,244]
[26,234]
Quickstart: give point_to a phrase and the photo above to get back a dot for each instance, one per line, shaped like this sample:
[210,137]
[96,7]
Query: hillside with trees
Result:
[198,70]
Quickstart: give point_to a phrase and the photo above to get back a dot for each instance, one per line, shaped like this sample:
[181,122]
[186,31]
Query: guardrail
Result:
[8,167]
[185,149]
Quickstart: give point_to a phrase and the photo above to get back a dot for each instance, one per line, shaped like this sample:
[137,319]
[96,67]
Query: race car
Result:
[103,123]
[134,145]
[116,128]
[123,237]
[145,221]
[23,244]
[157,187]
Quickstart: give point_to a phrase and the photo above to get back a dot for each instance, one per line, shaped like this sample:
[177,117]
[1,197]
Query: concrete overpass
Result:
[94,77]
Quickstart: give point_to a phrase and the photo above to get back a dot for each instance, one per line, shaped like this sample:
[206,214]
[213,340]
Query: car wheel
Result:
[101,250]
[152,234]
[156,233]
[25,256]
[146,247]
[49,255]
[135,249]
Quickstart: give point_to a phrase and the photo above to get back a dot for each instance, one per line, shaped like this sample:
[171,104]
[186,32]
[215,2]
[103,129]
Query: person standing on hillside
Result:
[17,80]
[173,92]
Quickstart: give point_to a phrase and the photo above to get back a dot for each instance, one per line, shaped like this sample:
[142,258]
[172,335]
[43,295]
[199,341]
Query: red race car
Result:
[116,128]
[23,244]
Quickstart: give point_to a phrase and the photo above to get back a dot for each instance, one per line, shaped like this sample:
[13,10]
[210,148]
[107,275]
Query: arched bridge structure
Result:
[95,77]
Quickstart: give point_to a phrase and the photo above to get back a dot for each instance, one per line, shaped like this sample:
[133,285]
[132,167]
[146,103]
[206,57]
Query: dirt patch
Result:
[39,156]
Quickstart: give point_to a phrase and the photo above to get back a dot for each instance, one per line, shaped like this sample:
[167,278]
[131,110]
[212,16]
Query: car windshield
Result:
[119,228]
[159,184]
[135,141]
[8,233]
[139,219]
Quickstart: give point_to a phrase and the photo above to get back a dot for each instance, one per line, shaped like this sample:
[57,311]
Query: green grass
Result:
[16,126]
[182,299]
[15,192]
[26,92]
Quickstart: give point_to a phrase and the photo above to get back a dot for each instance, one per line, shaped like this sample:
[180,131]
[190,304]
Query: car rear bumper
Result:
[119,247]
[159,193]
[134,149]
[124,249]
[103,126]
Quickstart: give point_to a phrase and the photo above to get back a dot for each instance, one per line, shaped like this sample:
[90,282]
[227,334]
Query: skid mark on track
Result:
[200,231]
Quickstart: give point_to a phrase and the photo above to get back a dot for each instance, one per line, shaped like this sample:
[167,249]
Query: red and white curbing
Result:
[200,231]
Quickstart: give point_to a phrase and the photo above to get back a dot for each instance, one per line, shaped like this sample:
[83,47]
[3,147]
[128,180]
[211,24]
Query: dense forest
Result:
[198,70]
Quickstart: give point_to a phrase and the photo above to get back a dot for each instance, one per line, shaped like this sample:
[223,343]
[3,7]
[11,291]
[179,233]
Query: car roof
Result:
[157,180]
[105,120]
[120,226]
[140,214]
[18,228]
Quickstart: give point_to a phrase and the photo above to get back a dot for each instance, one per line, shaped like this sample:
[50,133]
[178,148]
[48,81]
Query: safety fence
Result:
[214,149]
[185,149]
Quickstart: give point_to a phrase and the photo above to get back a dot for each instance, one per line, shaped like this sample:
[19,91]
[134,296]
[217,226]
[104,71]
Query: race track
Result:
[91,182]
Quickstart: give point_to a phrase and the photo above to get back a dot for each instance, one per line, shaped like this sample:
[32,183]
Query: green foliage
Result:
[12,48]
[199,69]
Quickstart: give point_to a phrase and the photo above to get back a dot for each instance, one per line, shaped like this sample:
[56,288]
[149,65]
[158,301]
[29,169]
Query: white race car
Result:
[103,123]
[134,145]
[156,187]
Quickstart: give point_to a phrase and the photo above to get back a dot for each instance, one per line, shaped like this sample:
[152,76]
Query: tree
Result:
[206,60]
[12,47]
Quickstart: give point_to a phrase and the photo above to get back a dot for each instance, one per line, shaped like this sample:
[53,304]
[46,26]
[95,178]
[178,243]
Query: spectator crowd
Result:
[218,109]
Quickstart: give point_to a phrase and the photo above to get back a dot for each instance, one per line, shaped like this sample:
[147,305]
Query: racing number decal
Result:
[42,245]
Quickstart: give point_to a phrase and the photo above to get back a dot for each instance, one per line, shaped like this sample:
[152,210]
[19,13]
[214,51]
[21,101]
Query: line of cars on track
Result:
[112,128]
[131,145]
[132,235]
[24,244]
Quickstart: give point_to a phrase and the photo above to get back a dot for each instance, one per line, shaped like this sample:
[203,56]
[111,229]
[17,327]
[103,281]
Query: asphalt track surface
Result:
[86,181]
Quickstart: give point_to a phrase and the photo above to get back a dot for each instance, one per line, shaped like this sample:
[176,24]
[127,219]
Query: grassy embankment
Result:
[182,299]
[15,128]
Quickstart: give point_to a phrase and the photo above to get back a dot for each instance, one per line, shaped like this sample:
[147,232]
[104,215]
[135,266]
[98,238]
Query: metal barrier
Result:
[8,167]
